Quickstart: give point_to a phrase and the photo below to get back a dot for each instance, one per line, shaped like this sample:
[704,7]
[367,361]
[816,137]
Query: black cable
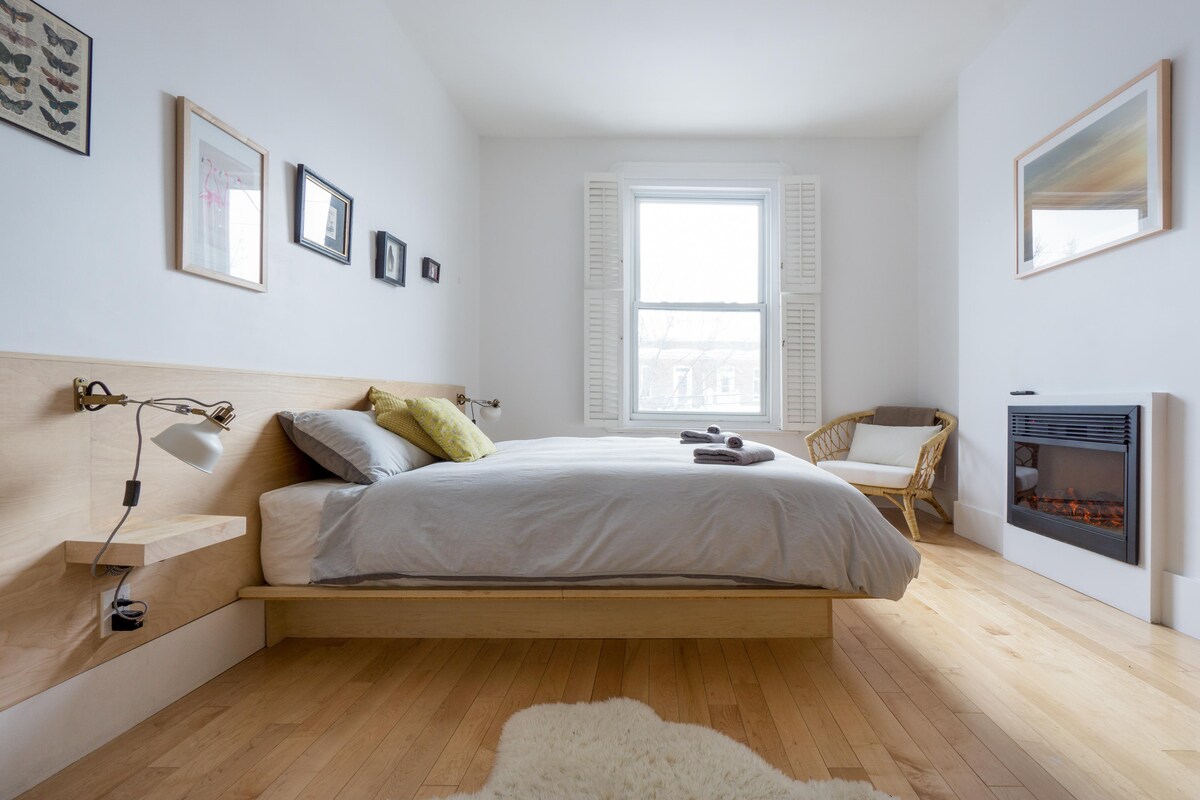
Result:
[121,570]
[166,404]
[89,389]
[119,610]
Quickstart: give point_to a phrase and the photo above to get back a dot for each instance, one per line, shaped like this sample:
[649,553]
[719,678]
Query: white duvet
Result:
[575,509]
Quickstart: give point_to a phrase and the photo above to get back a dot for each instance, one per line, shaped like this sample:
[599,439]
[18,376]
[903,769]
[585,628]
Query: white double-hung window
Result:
[701,302]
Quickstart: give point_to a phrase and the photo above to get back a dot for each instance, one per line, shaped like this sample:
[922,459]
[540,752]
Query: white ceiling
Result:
[701,67]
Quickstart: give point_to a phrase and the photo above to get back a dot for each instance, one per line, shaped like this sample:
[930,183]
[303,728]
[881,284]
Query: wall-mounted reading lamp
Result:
[198,445]
[488,409]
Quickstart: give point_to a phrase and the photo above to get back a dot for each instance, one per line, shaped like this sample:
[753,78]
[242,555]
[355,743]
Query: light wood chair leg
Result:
[938,508]
[910,516]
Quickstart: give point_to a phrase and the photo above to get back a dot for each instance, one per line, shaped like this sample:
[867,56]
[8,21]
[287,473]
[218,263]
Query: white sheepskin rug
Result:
[621,749]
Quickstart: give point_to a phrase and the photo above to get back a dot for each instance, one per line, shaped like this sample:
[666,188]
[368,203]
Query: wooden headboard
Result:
[63,473]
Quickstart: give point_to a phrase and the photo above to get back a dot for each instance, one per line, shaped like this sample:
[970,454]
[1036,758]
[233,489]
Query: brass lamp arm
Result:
[86,400]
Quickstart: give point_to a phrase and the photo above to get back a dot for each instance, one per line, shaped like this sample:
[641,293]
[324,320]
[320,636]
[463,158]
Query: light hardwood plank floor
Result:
[986,681]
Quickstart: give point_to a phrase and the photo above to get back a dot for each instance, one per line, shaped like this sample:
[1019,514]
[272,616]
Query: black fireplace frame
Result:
[1080,426]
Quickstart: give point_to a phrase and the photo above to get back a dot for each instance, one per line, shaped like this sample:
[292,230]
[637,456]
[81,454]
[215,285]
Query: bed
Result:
[608,536]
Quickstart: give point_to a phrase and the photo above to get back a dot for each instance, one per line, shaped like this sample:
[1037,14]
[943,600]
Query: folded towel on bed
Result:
[749,453]
[704,437]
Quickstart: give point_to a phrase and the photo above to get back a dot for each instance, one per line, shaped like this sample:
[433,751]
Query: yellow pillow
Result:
[391,413]
[451,429]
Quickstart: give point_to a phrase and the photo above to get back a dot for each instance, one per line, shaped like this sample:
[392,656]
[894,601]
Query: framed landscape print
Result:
[1101,180]
[324,215]
[45,75]
[222,204]
[390,254]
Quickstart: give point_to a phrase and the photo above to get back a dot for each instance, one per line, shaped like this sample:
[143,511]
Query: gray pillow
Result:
[350,445]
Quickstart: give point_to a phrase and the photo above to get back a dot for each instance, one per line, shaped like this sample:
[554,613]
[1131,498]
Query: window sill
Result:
[674,431]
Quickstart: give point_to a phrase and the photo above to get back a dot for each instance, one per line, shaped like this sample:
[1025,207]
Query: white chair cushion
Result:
[1026,478]
[897,446]
[885,475]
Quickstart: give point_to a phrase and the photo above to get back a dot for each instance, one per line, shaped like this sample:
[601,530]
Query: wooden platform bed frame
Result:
[66,473]
[573,612]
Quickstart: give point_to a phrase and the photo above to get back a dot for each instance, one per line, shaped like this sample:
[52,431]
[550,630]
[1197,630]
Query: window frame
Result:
[766,193]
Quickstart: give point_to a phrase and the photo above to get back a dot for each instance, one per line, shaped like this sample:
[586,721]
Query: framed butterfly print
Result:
[324,215]
[221,209]
[45,75]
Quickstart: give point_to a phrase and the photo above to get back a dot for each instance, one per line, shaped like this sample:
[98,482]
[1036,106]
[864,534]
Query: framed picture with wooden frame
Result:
[1101,180]
[221,207]
[324,216]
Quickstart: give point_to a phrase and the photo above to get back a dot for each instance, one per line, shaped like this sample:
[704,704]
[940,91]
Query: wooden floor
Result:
[986,681]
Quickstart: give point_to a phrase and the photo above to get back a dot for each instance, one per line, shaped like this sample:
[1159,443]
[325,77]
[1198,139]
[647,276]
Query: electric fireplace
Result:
[1073,475]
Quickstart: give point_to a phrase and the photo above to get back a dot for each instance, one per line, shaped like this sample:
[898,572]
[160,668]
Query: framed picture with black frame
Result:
[431,270]
[45,75]
[390,254]
[324,215]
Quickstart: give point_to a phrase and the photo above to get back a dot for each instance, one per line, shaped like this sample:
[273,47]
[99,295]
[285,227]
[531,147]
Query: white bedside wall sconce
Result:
[197,445]
[488,409]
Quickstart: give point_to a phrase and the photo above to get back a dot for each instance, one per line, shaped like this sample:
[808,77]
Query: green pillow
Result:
[391,413]
[454,433]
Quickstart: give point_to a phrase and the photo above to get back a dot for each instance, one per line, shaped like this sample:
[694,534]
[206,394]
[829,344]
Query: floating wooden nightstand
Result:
[146,542]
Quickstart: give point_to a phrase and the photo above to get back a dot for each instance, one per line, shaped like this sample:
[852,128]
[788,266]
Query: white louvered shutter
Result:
[801,326]
[603,299]
[801,265]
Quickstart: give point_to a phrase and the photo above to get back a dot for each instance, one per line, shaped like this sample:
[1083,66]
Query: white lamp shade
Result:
[489,413]
[198,445]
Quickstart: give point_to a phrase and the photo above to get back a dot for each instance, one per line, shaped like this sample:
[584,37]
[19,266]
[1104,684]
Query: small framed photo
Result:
[324,214]
[390,253]
[431,270]
[45,75]
[222,200]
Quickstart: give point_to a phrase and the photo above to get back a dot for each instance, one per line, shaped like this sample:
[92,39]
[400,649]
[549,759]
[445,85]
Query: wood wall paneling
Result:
[62,474]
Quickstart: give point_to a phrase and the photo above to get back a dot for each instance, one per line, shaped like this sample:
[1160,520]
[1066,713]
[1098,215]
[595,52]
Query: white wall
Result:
[87,246]
[532,253]
[1124,320]
[937,280]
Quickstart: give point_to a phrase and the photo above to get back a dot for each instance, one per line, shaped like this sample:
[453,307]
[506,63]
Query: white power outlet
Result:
[106,610]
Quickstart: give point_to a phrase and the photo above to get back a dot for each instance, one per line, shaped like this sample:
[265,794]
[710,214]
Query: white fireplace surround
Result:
[1135,589]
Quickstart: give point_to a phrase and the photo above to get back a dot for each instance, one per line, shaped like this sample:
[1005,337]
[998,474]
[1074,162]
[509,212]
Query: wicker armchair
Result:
[832,443]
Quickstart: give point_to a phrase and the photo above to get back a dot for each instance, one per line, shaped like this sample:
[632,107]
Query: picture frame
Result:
[431,270]
[1101,180]
[221,200]
[45,75]
[390,255]
[324,216]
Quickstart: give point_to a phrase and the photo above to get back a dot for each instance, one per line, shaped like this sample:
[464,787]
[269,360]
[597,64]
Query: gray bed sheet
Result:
[577,509]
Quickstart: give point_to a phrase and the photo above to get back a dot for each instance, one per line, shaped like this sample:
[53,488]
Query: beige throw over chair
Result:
[903,486]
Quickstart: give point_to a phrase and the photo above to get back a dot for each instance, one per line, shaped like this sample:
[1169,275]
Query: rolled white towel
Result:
[714,428]
[734,441]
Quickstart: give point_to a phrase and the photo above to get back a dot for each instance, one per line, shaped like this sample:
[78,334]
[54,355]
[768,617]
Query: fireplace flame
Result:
[1102,510]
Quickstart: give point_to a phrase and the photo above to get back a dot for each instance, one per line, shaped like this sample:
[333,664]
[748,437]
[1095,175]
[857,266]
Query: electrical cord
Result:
[132,489]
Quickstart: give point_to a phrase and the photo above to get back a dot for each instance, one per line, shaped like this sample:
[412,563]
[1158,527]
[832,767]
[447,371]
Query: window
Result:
[686,318]
[699,300]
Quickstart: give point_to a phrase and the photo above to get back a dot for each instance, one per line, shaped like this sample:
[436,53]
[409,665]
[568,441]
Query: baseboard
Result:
[1181,603]
[51,730]
[982,527]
